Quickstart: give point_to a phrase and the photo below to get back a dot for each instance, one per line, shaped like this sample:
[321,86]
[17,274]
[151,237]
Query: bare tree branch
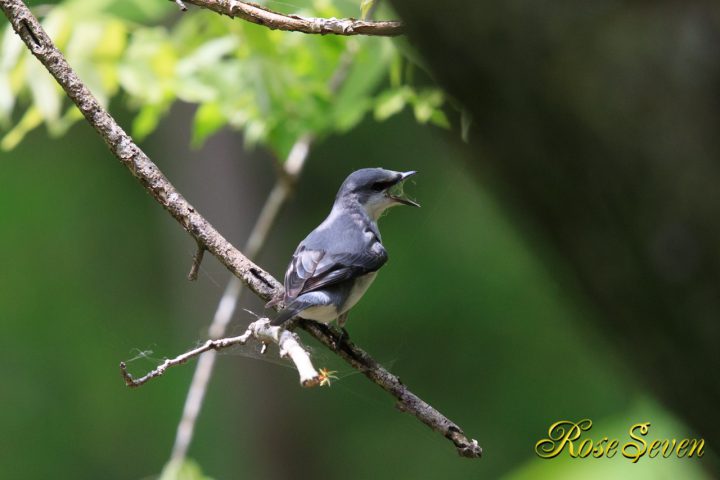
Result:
[279,21]
[261,330]
[197,260]
[155,183]
[287,176]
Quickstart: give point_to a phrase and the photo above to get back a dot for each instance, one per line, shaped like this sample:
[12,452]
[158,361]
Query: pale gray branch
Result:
[260,282]
[291,170]
[279,21]
[288,174]
[261,330]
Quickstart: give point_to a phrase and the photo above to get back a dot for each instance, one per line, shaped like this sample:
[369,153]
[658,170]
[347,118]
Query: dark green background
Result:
[475,311]
[468,311]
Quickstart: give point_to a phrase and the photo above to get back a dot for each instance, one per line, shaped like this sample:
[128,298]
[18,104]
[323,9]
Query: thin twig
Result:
[197,260]
[279,21]
[288,343]
[284,185]
[288,174]
[260,282]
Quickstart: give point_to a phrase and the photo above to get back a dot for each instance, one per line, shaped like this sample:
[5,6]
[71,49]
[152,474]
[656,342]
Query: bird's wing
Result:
[314,269]
[301,269]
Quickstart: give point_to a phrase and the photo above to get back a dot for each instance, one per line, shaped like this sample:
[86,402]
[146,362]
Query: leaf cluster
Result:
[274,86]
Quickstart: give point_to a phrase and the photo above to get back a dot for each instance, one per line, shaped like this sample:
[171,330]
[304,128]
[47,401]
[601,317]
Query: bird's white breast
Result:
[328,313]
[358,290]
[322,313]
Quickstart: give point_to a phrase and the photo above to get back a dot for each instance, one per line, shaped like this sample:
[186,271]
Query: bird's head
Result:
[376,190]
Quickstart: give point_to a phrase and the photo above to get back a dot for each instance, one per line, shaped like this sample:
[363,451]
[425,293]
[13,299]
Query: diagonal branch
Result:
[407,401]
[260,15]
[287,176]
[260,282]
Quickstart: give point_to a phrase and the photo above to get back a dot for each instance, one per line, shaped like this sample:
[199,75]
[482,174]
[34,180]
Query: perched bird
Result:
[336,263]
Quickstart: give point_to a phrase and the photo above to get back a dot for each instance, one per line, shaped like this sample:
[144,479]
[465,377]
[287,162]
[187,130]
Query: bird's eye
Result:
[379,186]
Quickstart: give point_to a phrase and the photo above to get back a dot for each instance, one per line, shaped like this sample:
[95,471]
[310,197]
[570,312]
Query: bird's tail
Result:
[290,311]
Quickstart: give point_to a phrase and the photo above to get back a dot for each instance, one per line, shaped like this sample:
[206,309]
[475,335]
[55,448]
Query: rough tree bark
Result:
[261,15]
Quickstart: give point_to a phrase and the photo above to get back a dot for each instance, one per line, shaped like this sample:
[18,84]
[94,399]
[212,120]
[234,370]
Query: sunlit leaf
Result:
[7,98]
[425,103]
[46,93]
[29,121]
[439,119]
[365,7]
[113,41]
[351,114]
[390,102]
[140,10]
[10,49]
[272,85]
[147,71]
[183,470]
[208,120]
[146,120]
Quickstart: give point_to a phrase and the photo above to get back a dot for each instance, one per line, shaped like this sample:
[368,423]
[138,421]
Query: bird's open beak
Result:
[396,191]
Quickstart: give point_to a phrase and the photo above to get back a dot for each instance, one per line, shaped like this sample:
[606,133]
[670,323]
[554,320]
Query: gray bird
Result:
[333,267]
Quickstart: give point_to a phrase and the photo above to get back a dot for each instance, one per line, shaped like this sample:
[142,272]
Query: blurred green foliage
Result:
[465,312]
[274,86]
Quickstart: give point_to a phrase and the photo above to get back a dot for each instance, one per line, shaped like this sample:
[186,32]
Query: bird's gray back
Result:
[351,231]
[344,247]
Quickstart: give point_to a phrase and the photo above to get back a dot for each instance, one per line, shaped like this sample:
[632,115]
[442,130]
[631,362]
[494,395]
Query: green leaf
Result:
[29,121]
[146,121]
[356,96]
[7,99]
[365,7]
[113,41]
[46,95]
[396,67]
[351,114]
[391,102]
[11,48]
[208,120]
[425,103]
[255,131]
[439,119]
[140,10]
[185,470]
[147,71]
[272,85]
[408,51]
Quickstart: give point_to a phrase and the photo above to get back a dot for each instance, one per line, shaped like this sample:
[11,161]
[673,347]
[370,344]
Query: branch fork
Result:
[288,343]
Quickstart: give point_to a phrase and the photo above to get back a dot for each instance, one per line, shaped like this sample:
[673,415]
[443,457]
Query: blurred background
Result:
[564,264]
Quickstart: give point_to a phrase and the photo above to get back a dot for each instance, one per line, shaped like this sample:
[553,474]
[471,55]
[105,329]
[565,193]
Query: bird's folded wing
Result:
[314,269]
